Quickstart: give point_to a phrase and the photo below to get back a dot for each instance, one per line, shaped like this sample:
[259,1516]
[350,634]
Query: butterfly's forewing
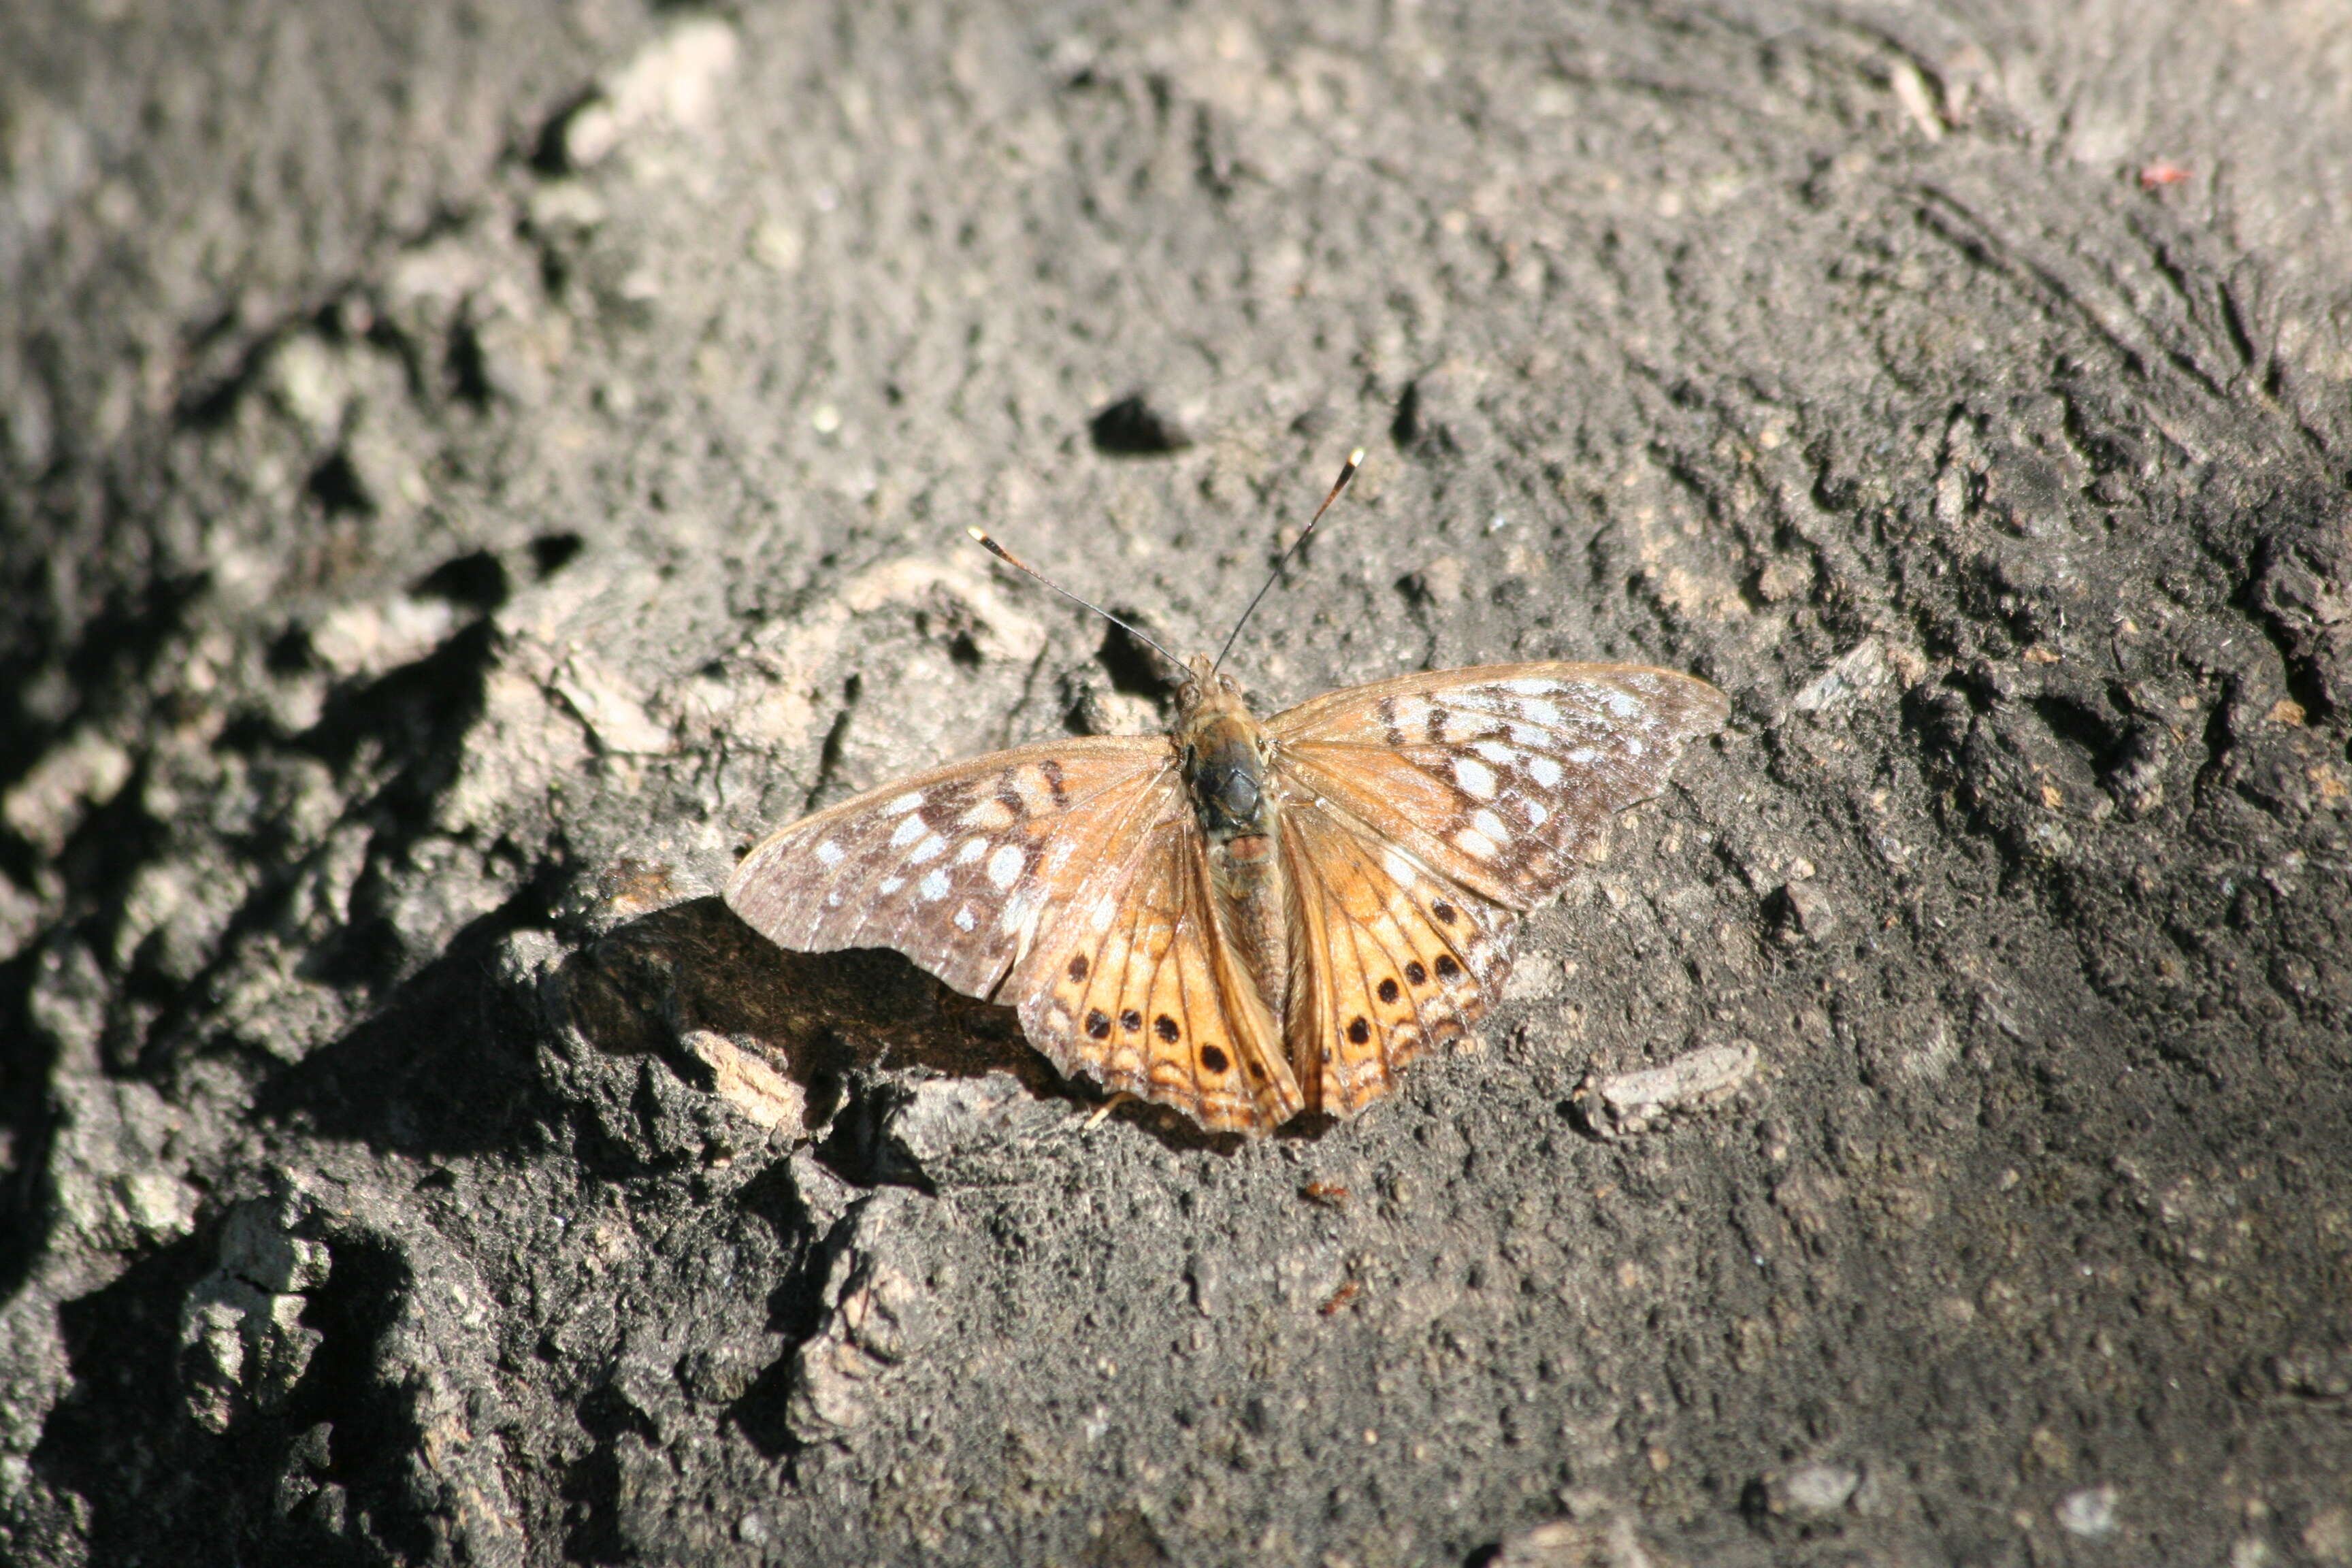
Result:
[958,868]
[1388,957]
[1130,985]
[1497,778]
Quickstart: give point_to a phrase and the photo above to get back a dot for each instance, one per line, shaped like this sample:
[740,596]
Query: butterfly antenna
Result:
[1019,565]
[1355,461]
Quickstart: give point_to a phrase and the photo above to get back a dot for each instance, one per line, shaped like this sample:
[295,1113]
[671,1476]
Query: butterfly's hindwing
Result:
[1391,958]
[958,867]
[1130,985]
[1500,778]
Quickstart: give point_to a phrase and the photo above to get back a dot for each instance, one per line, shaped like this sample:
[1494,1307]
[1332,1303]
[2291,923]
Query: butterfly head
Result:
[1201,686]
[1208,697]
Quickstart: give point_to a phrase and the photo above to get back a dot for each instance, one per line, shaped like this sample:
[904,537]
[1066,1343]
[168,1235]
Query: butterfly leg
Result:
[1102,1113]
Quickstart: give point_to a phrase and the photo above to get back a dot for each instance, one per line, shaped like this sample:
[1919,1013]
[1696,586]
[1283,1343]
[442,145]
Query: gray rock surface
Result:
[466,471]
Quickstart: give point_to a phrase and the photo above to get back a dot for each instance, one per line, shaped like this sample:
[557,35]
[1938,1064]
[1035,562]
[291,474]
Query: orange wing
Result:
[1131,985]
[1387,957]
[1497,778]
[958,868]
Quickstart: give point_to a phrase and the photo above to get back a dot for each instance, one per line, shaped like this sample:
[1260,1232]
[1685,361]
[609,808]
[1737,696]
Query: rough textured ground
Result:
[466,469]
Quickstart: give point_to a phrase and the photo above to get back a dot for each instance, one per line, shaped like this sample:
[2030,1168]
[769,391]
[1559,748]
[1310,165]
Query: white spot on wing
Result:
[1538,712]
[963,921]
[971,850]
[1495,752]
[929,849]
[1488,823]
[886,885]
[1529,687]
[1621,705]
[1544,770]
[904,804]
[1538,812]
[933,885]
[1006,865]
[830,854]
[914,827]
[988,816]
[1477,779]
[1398,866]
[1473,843]
[1035,794]
[1583,755]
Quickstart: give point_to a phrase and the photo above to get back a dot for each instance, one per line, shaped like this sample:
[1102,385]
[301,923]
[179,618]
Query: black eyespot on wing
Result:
[1077,966]
[1416,975]
[1446,968]
[1213,1059]
[1443,912]
[1359,1031]
[1388,991]
[1097,1024]
[1165,1027]
[1257,1068]
[1130,1020]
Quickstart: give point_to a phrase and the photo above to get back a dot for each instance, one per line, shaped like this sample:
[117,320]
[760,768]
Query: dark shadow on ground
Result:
[842,1027]
[447,1064]
[315,1479]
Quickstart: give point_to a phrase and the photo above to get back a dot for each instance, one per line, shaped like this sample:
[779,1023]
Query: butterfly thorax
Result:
[1224,751]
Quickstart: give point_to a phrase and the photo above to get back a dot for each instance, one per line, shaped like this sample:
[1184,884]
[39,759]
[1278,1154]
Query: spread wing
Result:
[1497,778]
[959,869]
[1422,816]
[1388,956]
[1131,985]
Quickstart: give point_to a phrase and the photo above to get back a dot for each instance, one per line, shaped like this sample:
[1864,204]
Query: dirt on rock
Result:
[467,471]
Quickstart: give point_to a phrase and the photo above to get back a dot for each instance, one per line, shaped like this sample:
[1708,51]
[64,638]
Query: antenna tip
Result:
[1356,459]
[977,534]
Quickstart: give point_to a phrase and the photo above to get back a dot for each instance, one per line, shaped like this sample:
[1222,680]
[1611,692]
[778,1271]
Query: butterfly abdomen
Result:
[1245,875]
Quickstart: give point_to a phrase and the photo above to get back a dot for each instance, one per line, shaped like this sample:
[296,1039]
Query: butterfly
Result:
[1245,920]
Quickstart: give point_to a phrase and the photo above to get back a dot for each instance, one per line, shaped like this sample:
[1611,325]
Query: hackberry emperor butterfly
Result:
[1245,920]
